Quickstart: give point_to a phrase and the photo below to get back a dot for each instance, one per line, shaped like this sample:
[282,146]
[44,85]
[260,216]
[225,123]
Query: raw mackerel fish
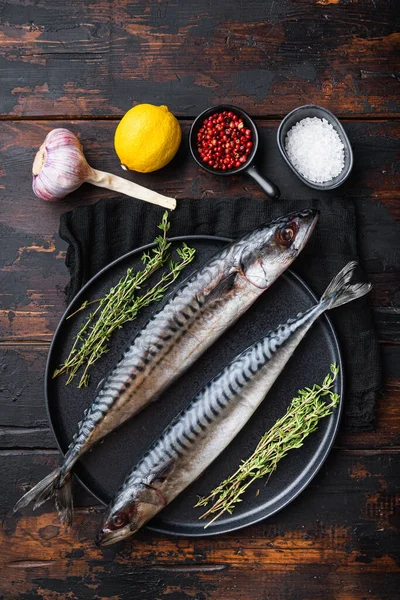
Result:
[202,308]
[213,418]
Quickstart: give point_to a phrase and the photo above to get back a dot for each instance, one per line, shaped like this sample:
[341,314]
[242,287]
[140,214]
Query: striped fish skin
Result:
[201,309]
[202,431]
[195,316]
[212,419]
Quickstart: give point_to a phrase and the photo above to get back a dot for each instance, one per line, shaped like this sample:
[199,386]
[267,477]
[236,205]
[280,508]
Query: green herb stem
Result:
[121,304]
[288,433]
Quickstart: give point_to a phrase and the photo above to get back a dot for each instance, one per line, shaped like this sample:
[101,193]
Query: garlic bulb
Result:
[60,167]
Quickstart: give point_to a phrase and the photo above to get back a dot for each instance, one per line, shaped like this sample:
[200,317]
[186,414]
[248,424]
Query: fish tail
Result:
[63,500]
[56,485]
[340,291]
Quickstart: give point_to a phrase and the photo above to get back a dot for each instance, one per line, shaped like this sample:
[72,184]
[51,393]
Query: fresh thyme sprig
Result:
[287,433]
[121,304]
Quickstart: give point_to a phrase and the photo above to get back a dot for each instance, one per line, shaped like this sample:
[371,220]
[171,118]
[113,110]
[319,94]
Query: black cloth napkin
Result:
[102,232]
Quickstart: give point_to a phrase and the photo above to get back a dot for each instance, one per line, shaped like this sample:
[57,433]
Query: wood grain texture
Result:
[90,61]
[338,533]
[99,58]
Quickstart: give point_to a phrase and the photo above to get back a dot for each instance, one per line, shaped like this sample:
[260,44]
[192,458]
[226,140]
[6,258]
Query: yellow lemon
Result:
[147,138]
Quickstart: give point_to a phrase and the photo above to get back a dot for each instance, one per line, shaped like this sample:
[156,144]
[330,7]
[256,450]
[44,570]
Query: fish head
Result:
[130,510]
[270,249]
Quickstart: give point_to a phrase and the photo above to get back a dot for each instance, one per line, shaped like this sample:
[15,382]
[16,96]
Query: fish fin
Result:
[64,502]
[225,284]
[52,486]
[44,489]
[339,291]
[163,473]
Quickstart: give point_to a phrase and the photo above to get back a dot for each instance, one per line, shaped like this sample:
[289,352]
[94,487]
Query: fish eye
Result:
[285,235]
[119,520]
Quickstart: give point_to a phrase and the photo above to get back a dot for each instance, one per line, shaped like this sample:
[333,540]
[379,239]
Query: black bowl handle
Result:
[266,184]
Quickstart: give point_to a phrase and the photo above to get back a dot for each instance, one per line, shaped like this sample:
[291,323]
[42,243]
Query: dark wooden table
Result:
[82,65]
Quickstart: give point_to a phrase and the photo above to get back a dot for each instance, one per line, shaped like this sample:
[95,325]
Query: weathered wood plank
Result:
[26,437]
[24,424]
[334,541]
[225,583]
[373,184]
[337,540]
[21,387]
[73,58]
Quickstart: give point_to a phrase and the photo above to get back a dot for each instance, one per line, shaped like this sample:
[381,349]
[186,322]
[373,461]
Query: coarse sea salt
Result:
[315,150]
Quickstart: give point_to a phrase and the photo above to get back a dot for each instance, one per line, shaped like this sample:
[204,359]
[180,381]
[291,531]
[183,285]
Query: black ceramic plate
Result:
[103,469]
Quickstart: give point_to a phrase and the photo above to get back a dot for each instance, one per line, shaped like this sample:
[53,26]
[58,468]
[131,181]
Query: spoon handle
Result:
[266,184]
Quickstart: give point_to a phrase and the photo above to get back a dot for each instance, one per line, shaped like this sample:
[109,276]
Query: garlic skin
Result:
[60,166]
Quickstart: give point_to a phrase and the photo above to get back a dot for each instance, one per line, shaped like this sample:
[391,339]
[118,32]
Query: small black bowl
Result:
[311,110]
[266,184]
